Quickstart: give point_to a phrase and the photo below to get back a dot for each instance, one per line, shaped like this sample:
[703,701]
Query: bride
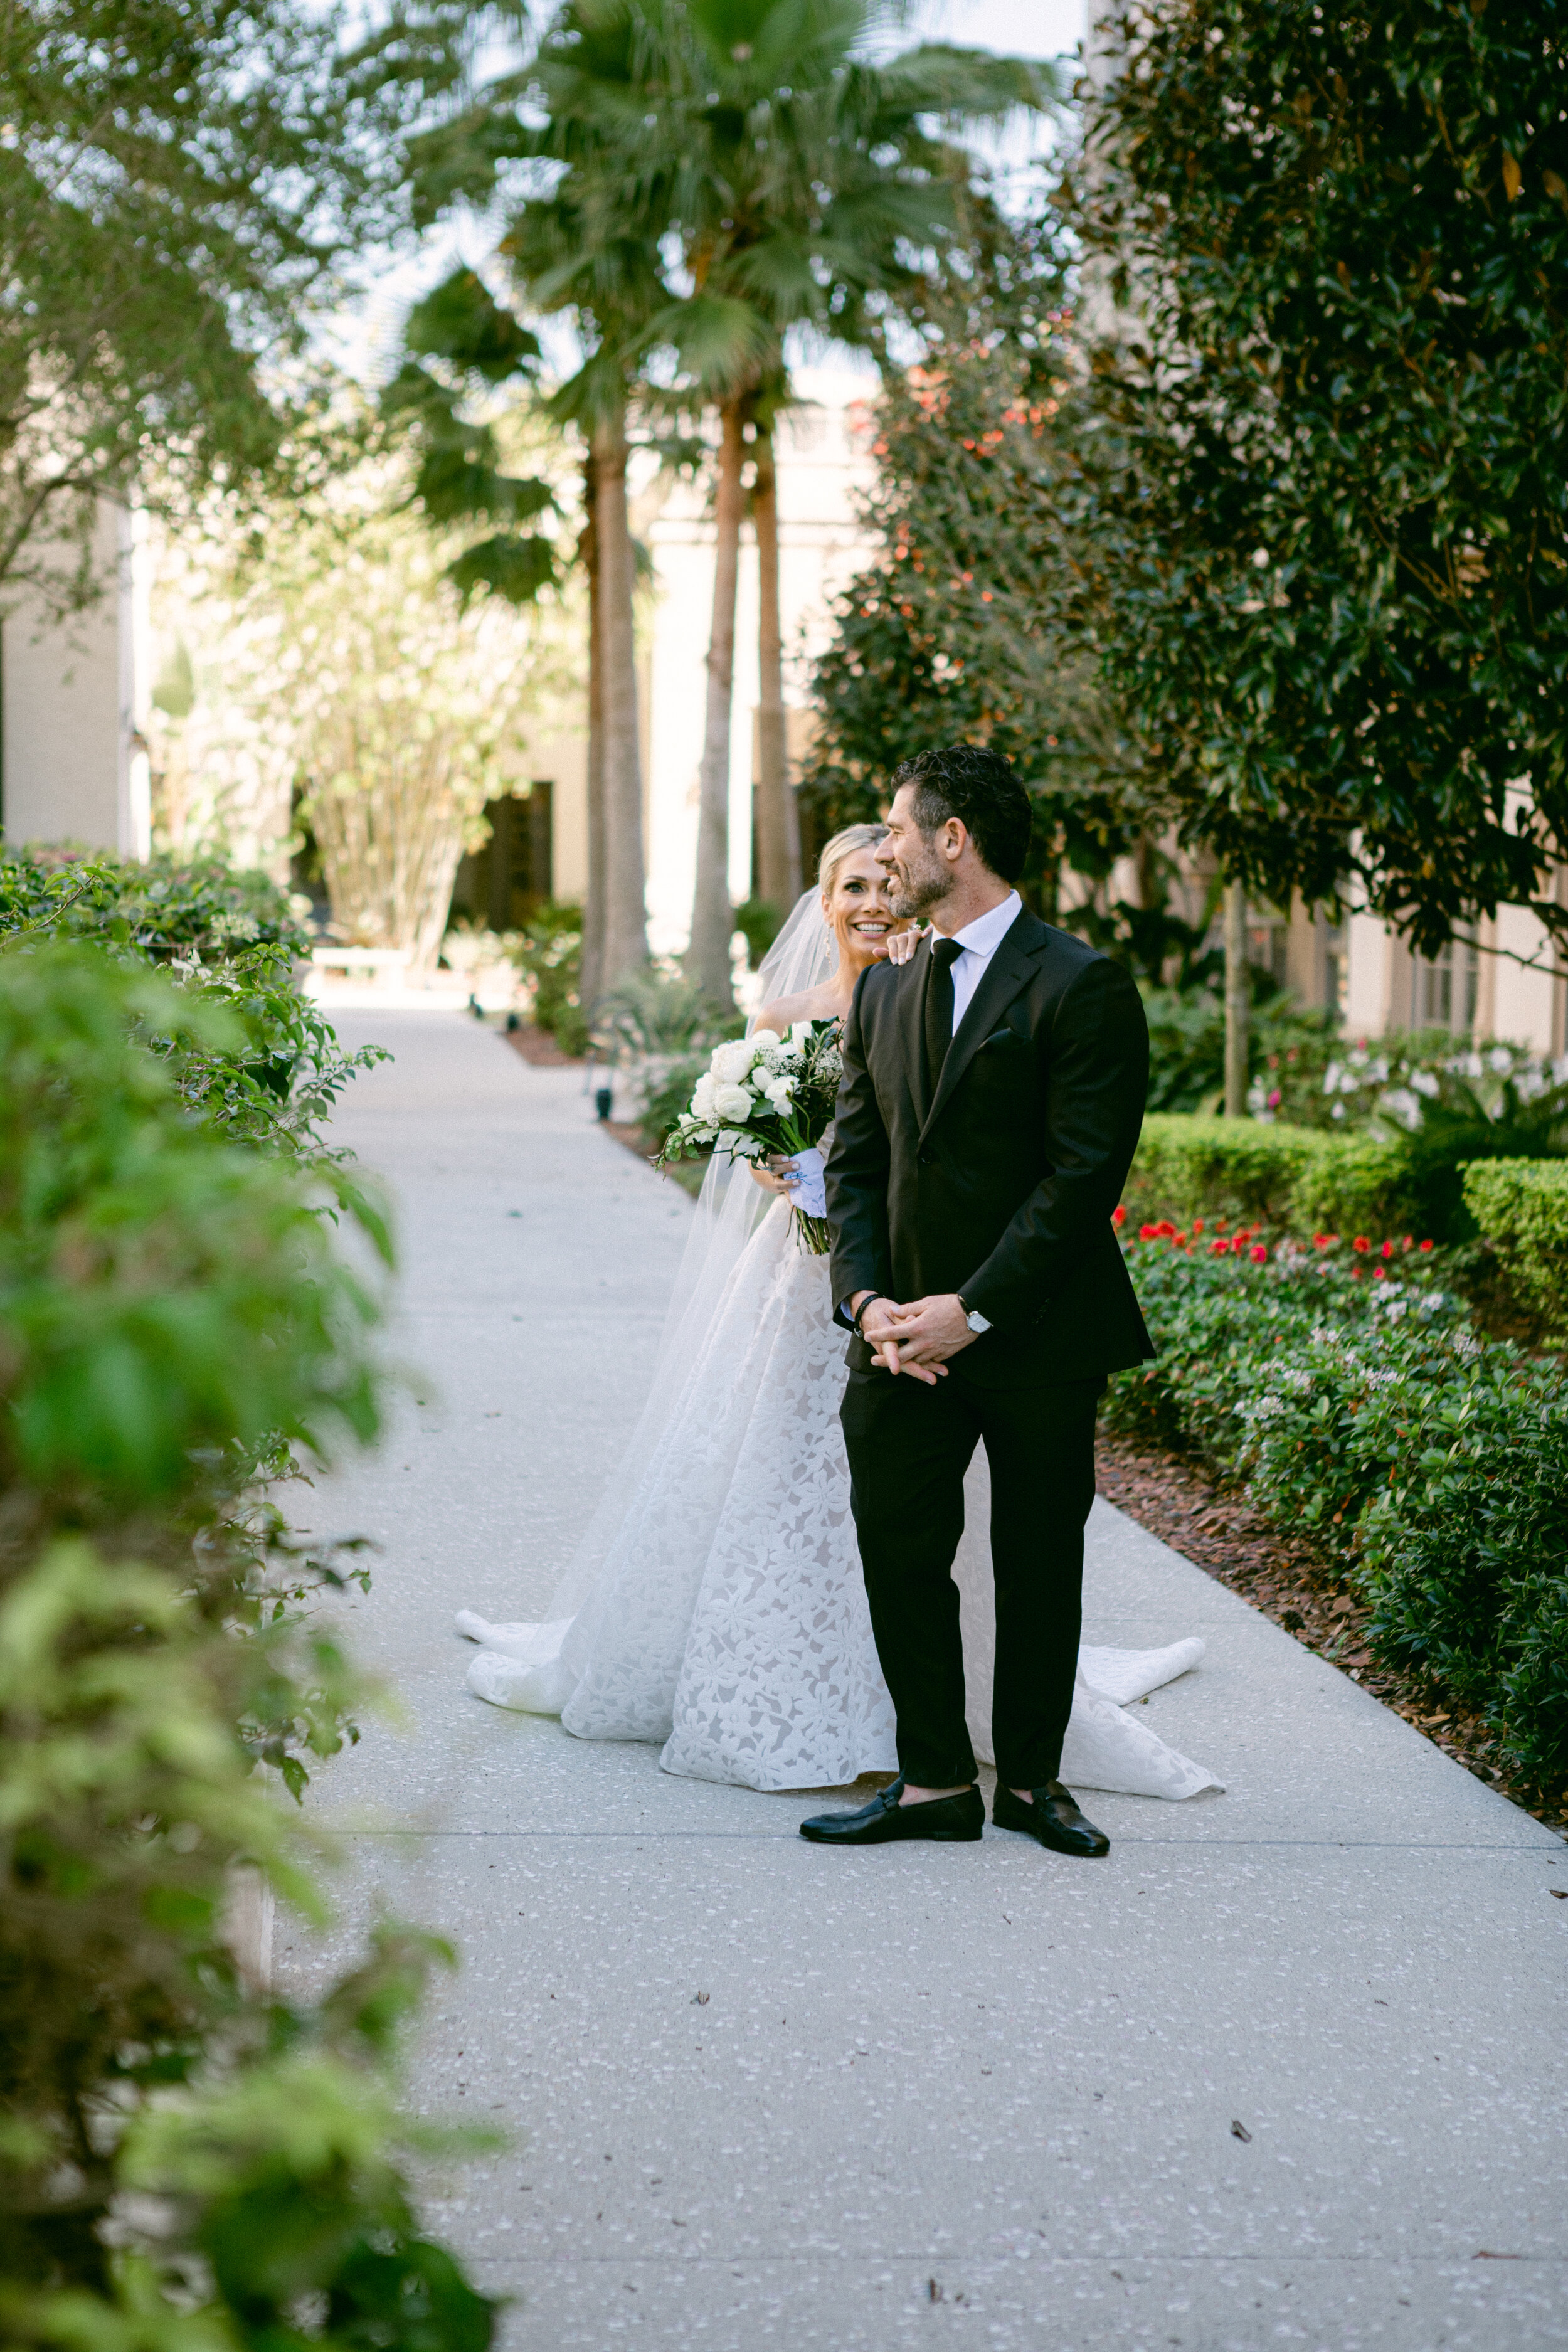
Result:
[716,1603]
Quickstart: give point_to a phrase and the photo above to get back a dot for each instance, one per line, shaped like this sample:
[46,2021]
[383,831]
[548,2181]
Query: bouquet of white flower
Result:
[767,1096]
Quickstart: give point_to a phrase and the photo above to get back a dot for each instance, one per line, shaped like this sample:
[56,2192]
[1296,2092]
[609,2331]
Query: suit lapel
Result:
[911,1026]
[1009,972]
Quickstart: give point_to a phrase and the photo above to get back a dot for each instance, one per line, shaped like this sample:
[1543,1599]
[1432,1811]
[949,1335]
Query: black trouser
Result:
[908,1447]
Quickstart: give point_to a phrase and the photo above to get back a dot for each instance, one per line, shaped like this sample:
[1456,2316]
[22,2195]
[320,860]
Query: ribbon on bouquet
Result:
[808,1182]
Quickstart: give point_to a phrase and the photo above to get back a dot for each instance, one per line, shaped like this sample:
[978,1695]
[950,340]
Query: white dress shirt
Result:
[980,941]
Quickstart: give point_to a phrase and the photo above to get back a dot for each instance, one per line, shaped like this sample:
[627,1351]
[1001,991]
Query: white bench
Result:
[385,963]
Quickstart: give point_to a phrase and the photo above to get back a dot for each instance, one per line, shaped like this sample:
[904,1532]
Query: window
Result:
[1446,988]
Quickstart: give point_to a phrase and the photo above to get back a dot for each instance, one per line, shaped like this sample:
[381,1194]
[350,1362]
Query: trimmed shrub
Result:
[1521,1207]
[1361,1183]
[1189,1167]
[1346,1393]
[185,2159]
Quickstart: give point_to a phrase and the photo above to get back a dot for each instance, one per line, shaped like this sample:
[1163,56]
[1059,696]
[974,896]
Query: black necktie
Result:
[945,954]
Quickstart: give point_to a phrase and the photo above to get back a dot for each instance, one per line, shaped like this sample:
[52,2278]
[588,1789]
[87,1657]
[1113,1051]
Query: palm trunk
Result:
[624,935]
[592,985]
[775,871]
[712,914]
[1237,1001]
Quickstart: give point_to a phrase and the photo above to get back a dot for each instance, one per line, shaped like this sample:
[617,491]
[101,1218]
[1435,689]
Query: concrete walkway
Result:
[761,2095]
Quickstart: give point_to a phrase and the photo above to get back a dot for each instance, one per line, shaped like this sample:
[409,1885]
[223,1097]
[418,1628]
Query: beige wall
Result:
[74,768]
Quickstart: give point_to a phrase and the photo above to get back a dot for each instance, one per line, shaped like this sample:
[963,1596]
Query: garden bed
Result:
[1301,1591]
[1381,1472]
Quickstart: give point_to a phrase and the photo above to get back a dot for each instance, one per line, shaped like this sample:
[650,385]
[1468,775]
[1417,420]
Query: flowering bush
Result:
[1338,1382]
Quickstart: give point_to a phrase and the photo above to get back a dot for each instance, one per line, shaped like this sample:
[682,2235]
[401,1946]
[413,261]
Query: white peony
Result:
[731,1062]
[733,1102]
[702,1096]
[780,1092]
[760,1039]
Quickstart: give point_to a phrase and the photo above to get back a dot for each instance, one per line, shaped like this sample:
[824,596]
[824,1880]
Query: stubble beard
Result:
[913,891]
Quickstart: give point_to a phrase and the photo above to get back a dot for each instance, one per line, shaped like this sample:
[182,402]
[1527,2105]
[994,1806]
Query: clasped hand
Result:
[919,1337]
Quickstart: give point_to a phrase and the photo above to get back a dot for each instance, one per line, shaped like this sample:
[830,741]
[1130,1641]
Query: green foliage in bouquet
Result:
[183,2161]
[1341,1383]
[765,1097]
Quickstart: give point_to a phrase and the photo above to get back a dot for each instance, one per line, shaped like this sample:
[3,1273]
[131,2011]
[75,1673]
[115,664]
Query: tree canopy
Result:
[1327,256]
[178,178]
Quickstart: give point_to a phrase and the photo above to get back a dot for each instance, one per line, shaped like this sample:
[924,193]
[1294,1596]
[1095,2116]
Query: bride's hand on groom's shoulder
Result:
[902,945]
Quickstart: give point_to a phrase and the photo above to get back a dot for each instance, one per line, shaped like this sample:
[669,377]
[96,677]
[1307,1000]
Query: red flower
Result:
[1425,1245]
[1355,1274]
[1148,1232]
[1324,1241]
[1119,1218]
[1275,1100]
[1407,1243]
[1388,1249]
[1197,1225]
[1178,1241]
[1380,1274]
[1219,1249]
[1259,1254]
[1360,1243]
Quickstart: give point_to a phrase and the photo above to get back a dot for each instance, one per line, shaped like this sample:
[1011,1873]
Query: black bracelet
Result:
[870,1299]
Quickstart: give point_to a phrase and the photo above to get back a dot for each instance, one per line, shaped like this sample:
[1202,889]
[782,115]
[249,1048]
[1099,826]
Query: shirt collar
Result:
[985,934]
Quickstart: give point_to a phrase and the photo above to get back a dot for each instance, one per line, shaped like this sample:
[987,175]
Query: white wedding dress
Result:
[717,1605]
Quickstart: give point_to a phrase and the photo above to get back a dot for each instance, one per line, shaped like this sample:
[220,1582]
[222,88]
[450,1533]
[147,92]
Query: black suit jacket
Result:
[1001,1186]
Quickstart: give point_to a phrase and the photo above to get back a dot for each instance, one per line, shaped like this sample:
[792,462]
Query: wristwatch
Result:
[972,1317]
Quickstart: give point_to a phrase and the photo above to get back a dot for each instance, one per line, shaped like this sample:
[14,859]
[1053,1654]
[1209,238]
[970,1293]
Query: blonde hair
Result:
[842,845]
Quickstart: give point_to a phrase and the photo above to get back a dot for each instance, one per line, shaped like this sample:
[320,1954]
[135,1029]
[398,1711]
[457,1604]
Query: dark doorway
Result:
[501,884]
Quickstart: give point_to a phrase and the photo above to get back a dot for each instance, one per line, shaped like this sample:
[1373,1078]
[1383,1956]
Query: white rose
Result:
[702,1096]
[731,1062]
[733,1102]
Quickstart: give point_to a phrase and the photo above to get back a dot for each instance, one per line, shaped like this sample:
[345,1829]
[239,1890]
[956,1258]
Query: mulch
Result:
[538,1048]
[1300,1591]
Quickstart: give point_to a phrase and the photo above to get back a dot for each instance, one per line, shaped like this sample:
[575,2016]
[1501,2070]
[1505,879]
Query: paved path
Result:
[762,2095]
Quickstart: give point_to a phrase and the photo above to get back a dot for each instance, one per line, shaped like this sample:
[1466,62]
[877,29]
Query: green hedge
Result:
[1269,1172]
[1522,1208]
[232,942]
[1348,1393]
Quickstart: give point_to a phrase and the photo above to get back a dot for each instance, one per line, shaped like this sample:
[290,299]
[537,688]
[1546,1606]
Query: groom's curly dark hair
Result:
[981,790]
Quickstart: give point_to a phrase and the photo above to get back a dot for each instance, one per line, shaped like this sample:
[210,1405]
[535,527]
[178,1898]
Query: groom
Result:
[992,1096]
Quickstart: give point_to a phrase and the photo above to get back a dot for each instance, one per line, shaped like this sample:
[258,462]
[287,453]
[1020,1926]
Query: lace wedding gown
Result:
[725,1616]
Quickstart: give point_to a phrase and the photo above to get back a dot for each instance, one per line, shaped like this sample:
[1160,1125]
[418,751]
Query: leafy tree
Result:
[1327,251]
[337,659]
[970,623]
[180,181]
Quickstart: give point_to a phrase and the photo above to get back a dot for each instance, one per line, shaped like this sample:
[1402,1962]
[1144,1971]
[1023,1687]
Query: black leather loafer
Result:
[1053,1818]
[951,1821]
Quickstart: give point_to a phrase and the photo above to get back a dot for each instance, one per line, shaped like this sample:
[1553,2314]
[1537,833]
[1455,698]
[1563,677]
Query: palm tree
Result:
[589,248]
[807,181]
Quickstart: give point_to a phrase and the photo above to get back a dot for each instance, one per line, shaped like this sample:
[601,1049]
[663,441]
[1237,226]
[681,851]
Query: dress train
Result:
[728,1618]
